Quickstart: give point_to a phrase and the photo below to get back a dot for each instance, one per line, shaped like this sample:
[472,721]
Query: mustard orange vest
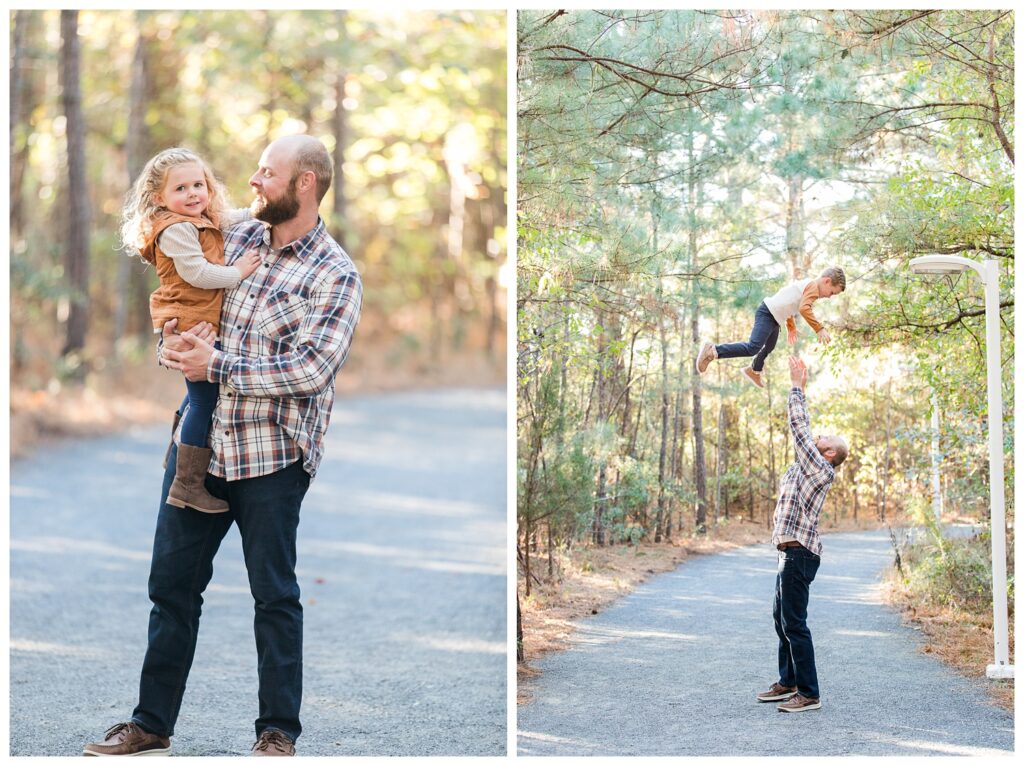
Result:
[175,298]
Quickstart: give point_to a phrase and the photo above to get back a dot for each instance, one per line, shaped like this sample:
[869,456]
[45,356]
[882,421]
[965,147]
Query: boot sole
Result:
[156,752]
[180,504]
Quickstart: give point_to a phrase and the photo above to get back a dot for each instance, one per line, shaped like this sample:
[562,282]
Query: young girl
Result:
[173,218]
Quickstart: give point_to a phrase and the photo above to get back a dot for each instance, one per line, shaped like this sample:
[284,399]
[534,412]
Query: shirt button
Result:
[252,296]
[238,327]
[266,265]
[227,433]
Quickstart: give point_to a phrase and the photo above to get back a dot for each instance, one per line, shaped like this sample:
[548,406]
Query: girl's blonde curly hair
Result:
[141,209]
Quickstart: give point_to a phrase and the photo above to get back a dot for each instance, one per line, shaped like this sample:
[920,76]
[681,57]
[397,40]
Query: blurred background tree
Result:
[412,106]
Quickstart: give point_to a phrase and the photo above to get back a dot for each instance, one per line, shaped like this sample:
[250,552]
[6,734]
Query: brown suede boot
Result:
[188,490]
[174,427]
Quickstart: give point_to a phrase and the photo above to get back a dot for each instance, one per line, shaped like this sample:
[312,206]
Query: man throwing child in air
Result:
[801,498]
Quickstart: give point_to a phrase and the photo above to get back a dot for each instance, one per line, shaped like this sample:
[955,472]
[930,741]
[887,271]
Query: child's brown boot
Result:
[188,490]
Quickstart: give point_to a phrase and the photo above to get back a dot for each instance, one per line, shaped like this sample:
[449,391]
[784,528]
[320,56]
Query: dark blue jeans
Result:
[797,567]
[266,510]
[762,341]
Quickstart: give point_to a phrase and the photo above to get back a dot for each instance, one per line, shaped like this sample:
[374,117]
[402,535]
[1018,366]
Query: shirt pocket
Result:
[280,318]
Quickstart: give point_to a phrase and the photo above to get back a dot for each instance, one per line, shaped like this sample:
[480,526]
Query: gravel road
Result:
[672,669]
[402,566]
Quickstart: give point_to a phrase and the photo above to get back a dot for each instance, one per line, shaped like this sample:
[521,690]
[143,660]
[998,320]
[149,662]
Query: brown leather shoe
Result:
[129,739]
[776,693]
[799,703]
[188,490]
[273,742]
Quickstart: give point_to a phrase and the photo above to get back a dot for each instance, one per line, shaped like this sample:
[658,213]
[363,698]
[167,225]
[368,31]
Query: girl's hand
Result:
[791,337]
[824,337]
[248,263]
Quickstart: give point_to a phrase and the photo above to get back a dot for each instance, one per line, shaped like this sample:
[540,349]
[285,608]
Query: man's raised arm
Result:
[807,455]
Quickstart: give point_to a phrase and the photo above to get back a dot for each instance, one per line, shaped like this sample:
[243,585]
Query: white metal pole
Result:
[1002,667]
[936,459]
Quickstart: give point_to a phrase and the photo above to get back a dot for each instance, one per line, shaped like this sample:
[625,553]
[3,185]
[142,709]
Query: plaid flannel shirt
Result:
[806,483]
[285,332]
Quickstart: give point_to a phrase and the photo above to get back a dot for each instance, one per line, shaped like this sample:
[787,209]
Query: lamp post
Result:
[989,273]
[936,461]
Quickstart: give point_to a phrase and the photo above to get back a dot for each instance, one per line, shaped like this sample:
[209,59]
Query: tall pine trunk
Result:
[76,252]
[339,125]
[699,465]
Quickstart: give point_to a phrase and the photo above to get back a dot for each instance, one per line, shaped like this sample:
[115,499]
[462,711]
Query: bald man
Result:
[801,498]
[285,332]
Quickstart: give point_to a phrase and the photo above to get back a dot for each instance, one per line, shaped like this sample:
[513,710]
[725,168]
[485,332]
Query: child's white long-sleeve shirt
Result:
[795,298]
[180,242]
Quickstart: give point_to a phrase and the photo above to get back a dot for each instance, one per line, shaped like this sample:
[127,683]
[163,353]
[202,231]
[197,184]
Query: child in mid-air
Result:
[174,218]
[796,297]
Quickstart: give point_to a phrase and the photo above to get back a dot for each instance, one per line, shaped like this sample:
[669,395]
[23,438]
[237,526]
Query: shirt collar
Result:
[305,244]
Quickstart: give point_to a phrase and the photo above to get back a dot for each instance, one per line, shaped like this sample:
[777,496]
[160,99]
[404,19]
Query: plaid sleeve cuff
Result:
[218,369]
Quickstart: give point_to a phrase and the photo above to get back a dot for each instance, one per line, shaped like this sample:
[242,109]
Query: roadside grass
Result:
[943,588]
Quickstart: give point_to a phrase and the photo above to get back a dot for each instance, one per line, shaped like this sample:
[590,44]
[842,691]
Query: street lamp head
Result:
[941,264]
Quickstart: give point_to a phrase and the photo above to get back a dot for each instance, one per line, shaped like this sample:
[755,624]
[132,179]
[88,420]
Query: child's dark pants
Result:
[201,400]
[762,341]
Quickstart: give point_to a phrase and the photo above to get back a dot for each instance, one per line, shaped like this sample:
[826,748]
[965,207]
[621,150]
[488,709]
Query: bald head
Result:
[305,154]
[833,448]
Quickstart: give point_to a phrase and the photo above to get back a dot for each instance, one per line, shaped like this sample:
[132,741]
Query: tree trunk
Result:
[699,467]
[131,273]
[600,502]
[663,452]
[19,132]
[720,468]
[341,226]
[795,235]
[520,653]
[76,261]
[888,450]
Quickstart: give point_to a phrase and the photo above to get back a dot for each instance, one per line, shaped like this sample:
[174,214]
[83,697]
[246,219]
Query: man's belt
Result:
[790,544]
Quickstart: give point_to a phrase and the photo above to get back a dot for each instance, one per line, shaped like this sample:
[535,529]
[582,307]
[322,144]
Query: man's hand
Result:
[204,331]
[798,372]
[791,336]
[192,360]
[824,337]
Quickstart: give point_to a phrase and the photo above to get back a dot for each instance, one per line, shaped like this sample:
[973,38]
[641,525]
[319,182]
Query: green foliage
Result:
[423,97]
[951,572]
[675,167]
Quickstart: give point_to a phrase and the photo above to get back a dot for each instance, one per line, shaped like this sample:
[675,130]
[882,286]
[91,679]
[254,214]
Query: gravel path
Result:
[672,669]
[402,566]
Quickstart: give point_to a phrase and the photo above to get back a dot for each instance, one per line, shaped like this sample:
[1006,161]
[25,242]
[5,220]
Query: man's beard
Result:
[279,210]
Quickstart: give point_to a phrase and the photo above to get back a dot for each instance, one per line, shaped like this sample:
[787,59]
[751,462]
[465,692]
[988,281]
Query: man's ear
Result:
[307,180]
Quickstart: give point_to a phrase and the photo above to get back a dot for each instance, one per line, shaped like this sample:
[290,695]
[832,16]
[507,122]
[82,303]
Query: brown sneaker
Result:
[273,742]
[129,739]
[706,356]
[799,703]
[753,377]
[776,693]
